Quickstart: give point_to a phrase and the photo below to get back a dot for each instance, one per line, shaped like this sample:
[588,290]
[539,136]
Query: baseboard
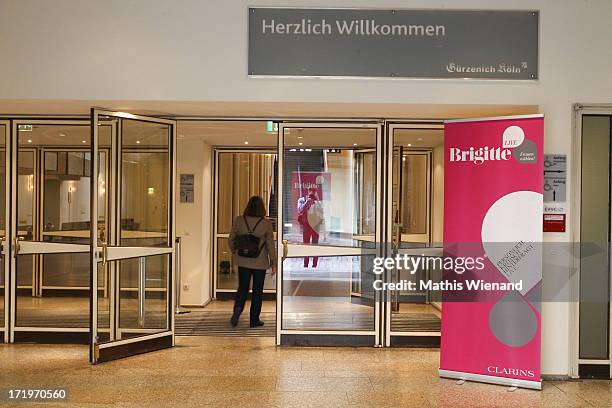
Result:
[555,377]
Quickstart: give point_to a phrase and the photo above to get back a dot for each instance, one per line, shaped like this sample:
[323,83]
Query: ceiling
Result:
[418,137]
[227,133]
[254,133]
[135,134]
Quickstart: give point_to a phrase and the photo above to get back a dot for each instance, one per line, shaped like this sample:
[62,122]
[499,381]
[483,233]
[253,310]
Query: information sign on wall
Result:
[187,188]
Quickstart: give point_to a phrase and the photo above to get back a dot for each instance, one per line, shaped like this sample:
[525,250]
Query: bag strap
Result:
[257,223]
[249,227]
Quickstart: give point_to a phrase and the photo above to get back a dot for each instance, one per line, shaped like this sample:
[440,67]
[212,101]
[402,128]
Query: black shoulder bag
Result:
[247,245]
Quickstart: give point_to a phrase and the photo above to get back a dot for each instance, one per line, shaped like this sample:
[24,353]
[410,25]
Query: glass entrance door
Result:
[415,200]
[329,226]
[135,254]
[50,231]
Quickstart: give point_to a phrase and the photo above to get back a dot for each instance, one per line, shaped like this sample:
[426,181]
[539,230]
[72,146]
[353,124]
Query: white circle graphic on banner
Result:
[513,136]
[512,237]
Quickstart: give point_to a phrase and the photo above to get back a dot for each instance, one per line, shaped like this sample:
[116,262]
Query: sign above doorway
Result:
[431,44]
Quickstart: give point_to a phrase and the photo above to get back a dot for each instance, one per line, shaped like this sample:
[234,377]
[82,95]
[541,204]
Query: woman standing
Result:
[255,230]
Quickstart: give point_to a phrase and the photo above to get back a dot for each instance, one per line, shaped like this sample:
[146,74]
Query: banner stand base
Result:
[510,382]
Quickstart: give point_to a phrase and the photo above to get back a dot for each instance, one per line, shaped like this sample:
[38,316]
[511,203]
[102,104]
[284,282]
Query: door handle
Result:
[17,246]
[285,248]
[104,253]
[2,239]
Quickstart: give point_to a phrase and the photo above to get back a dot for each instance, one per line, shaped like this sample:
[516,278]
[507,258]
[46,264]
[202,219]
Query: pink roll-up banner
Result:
[493,185]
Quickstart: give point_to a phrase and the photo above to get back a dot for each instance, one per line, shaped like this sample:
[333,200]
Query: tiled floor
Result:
[252,372]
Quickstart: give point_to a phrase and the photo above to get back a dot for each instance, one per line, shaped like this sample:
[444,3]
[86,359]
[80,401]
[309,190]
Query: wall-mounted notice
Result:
[187,188]
[555,196]
[482,44]
[555,175]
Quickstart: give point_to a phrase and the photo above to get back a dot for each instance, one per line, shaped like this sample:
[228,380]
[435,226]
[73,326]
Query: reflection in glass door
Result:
[330,226]
[415,206]
[136,257]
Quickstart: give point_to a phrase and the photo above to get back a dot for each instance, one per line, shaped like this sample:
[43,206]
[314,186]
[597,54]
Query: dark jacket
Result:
[265,233]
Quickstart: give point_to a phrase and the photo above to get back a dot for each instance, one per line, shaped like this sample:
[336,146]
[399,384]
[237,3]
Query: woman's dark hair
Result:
[255,207]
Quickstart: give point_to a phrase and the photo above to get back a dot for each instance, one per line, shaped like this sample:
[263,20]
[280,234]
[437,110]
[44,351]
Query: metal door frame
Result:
[5,243]
[156,339]
[574,202]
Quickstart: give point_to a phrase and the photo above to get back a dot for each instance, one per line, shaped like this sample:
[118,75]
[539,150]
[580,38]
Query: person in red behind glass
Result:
[310,217]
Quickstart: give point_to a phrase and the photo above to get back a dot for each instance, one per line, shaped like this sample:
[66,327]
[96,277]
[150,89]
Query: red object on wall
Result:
[554,222]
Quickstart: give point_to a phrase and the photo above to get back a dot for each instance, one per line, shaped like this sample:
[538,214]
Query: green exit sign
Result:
[26,128]
[271,126]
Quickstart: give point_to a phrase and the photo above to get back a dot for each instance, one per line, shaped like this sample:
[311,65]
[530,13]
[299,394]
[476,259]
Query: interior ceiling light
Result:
[420,138]
[246,142]
[409,144]
[84,141]
[62,135]
[29,140]
[138,142]
[300,143]
[354,144]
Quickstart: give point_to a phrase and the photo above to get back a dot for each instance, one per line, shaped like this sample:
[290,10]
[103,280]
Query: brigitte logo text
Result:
[479,155]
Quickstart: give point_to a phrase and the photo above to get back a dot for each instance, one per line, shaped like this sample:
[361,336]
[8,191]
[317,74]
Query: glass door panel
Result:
[416,163]
[136,257]
[52,175]
[329,183]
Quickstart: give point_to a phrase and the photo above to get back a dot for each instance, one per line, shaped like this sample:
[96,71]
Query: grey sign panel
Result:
[187,188]
[484,44]
[555,176]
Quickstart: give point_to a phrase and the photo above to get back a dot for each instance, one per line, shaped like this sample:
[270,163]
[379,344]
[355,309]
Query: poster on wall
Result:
[493,210]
